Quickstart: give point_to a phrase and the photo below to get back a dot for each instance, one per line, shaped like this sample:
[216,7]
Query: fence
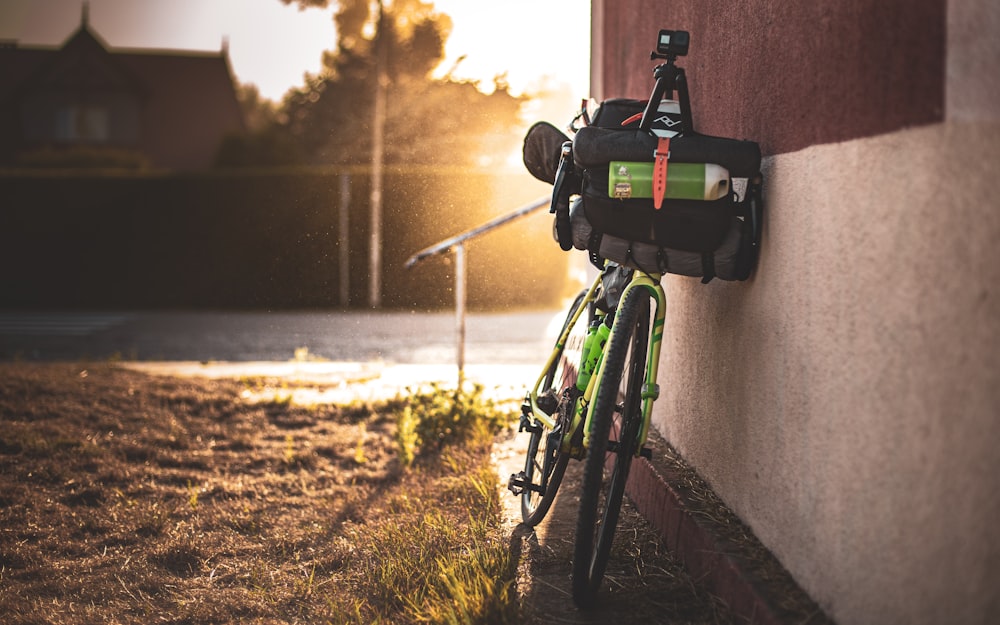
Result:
[274,239]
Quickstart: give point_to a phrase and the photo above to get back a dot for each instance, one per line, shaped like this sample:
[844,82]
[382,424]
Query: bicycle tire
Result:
[607,465]
[534,505]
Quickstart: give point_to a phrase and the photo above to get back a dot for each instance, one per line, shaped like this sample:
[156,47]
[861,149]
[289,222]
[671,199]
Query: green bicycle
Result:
[594,397]
[599,413]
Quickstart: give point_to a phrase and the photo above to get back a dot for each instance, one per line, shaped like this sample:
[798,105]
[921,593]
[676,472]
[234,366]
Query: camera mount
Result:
[670,44]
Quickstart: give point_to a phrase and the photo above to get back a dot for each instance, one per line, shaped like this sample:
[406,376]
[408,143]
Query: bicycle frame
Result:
[581,414]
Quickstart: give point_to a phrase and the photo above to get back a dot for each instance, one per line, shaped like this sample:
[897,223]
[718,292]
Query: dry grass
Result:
[127,498]
[134,499]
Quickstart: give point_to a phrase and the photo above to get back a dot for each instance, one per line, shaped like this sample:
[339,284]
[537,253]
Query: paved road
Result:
[393,337]
[325,340]
[363,354]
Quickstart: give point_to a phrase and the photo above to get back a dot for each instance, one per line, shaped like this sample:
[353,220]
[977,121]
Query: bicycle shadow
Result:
[644,583]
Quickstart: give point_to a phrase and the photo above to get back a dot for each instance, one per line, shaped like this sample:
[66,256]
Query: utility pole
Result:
[378,152]
[344,240]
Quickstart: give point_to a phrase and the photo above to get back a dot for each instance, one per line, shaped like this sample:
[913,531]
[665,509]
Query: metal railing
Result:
[457,244]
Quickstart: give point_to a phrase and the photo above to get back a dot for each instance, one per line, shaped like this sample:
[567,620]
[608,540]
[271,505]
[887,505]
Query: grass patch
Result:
[134,498]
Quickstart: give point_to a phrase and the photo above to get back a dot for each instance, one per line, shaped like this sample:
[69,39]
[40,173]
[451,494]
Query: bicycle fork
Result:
[582,420]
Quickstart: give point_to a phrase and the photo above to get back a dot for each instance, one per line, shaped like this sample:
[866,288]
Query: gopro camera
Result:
[672,43]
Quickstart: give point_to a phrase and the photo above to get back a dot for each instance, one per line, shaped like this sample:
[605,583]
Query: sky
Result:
[538,43]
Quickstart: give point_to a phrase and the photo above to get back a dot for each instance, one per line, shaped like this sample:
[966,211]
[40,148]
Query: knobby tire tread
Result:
[590,550]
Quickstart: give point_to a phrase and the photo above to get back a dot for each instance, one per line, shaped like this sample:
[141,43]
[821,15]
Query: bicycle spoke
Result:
[544,462]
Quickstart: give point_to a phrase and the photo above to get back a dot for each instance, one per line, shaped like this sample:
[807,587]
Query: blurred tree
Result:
[258,112]
[429,121]
[265,142]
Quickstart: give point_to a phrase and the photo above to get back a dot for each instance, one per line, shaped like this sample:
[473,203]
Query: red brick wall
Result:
[786,74]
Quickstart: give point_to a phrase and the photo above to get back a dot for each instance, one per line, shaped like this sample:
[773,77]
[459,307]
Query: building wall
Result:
[788,75]
[845,401]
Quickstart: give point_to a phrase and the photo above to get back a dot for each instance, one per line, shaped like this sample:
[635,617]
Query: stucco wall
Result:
[787,74]
[845,402]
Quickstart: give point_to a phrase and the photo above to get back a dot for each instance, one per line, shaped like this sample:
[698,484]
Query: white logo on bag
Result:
[666,121]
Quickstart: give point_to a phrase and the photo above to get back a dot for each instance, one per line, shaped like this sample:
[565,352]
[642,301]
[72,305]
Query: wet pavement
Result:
[349,355]
[363,336]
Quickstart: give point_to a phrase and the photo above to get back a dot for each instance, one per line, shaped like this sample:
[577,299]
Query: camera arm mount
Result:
[669,78]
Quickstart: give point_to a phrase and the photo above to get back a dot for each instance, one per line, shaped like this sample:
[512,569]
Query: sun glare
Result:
[518,38]
[273,45]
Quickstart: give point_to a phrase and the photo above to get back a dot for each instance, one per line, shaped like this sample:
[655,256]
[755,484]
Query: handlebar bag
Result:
[686,236]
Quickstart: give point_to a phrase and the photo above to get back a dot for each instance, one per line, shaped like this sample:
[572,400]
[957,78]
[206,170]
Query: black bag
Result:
[692,237]
[542,146]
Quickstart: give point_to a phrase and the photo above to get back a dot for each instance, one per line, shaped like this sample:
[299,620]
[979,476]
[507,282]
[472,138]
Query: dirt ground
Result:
[126,497]
[644,583]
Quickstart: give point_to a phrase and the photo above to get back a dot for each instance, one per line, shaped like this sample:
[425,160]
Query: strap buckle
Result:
[660,164]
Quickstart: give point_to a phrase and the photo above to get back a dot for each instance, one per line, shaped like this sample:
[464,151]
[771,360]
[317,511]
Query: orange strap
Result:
[660,171]
[632,120]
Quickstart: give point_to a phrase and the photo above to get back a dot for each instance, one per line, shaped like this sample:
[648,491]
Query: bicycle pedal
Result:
[516,483]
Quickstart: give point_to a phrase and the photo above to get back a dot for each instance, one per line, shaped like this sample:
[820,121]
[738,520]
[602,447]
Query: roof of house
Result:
[185,95]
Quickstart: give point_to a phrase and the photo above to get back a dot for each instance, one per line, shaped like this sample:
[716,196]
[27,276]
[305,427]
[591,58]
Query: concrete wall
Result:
[845,401]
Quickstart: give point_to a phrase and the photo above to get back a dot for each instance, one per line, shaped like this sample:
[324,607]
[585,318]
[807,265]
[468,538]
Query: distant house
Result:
[169,108]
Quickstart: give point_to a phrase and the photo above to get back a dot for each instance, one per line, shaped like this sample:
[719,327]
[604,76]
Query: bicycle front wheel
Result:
[545,463]
[613,441]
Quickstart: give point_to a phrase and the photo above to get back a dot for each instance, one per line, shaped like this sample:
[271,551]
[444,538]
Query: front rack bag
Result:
[694,237]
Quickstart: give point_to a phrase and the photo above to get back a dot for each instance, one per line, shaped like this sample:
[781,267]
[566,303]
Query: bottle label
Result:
[685,181]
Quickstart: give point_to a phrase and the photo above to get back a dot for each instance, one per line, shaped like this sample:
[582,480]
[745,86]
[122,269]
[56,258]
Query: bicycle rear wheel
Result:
[545,463]
[613,442]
